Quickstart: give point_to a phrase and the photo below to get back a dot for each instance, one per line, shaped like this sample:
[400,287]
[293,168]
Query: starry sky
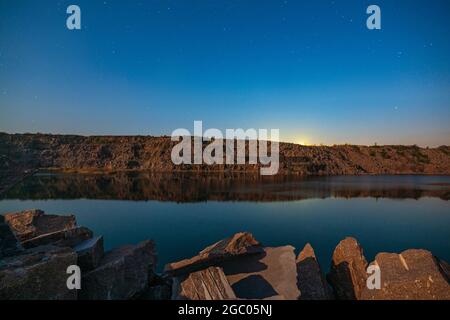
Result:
[310,68]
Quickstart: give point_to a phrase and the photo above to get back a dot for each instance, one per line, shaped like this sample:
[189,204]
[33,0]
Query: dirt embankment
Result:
[117,153]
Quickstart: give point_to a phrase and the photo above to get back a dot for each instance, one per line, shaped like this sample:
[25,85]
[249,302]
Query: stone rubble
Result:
[36,249]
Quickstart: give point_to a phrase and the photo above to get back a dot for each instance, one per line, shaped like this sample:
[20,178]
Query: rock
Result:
[37,274]
[9,245]
[445,267]
[310,279]
[123,273]
[160,289]
[33,223]
[412,275]
[62,238]
[158,292]
[207,284]
[271,274]
[240,244]
[89,253]
[348,274]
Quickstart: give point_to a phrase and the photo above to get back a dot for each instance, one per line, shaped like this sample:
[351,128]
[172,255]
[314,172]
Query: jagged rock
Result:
[37,274]
[242,243]
[412,275]
[8,242]
[90,252]
[270,274]
[123,273]
[348,274]
[33,223]
[62,238]
[207,284]
[310,279]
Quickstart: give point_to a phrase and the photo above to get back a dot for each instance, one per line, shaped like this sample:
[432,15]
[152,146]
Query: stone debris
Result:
[36,249]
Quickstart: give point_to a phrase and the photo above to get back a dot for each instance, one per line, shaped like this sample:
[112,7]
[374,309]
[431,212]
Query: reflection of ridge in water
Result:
[188,187]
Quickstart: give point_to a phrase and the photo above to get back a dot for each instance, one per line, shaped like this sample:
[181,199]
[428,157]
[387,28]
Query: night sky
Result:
[310,68]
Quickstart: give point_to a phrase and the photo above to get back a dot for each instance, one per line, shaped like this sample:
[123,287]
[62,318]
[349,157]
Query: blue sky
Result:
[310,68]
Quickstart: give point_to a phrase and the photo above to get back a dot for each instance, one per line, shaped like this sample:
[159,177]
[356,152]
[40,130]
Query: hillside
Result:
[117,153]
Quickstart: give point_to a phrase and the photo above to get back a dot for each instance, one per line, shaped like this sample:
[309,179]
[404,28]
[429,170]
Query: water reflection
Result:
[187,187]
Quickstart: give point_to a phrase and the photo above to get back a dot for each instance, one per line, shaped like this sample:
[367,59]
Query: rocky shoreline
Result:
[37,248]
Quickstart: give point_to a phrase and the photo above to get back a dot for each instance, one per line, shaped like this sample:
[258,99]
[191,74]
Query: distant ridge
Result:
[120,153]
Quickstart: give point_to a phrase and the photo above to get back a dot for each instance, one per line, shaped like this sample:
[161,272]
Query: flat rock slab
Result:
[271,274]
[124,273]
[33,223]
[207,284]
[412,275]
[242,243]
[62,238]
[310,280]
[37,274]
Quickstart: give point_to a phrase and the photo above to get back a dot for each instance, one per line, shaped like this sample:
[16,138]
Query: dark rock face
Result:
[160,289]
[123,273]
[412,275]
[207,284]
[8,242]
[271,274]
[348,274]
[37,274]
[33,223]
[62,238]
[238,245]
[310,279]
[90,252]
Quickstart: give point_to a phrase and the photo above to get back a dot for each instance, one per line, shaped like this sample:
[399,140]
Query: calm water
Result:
[185,213]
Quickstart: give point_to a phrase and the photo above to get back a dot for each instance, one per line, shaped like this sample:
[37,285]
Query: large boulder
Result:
[9,245]
[310,279]
[348,274]
[123,273]
[411,275]
[207,284]
[90,252]
[37,274]
[236,246]
[270,274]
[33,223]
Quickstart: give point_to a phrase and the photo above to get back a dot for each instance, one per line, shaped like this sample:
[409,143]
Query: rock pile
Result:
[257,272]
[36,249]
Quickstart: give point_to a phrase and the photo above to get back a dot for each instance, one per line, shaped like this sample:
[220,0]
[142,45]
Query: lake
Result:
[184,213]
